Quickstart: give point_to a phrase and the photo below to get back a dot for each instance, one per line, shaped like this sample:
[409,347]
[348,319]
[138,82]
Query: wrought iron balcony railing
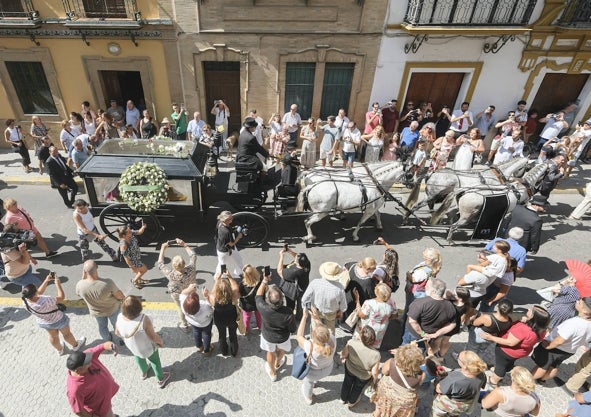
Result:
[102,9]
[17,9]
[577,13]
[469,12]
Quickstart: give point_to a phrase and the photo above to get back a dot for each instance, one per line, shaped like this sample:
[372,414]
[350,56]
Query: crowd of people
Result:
[356,297]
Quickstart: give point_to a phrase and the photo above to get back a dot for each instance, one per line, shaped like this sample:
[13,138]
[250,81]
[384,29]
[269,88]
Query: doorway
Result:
[556,91]
[222,82]
[123,86]
[437,88]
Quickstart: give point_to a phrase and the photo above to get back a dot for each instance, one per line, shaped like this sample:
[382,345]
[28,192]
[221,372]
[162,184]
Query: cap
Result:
[379,272]
[588,122]
[165,120]
[78,359]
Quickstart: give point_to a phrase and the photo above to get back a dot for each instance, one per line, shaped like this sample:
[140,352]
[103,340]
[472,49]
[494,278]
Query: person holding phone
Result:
[130,250]
[226,240]
[48,314]
[180,275]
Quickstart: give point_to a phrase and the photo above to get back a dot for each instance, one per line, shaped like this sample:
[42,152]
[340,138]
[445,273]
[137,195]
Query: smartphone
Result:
[285,246]
[223,268]
[171,242]
[52,273]
[267,270]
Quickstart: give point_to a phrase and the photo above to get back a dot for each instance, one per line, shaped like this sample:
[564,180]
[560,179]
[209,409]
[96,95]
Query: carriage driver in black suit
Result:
[249,147]
[62,176]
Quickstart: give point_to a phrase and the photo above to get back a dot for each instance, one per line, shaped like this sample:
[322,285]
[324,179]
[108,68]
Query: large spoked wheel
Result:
[257,226]
[119,215]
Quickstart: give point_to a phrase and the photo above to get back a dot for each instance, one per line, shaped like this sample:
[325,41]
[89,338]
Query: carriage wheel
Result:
[119,215]
[257,225]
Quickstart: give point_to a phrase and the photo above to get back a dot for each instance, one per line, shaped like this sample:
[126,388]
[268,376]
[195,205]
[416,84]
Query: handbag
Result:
[240,320]
[59,307]
[352,319]
[301,362]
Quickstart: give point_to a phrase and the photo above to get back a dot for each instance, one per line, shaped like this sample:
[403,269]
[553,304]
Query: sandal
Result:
[143,282]
[137,284]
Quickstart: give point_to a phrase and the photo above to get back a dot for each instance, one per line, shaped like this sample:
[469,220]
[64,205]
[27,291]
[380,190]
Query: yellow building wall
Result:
[67,58]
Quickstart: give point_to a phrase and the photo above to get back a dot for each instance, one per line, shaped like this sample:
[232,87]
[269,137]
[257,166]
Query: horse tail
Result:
[436,217]
[302,200]
[413,197]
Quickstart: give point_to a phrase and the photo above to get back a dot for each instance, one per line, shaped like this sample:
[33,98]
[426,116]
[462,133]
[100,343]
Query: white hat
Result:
[379,272]
[332,271]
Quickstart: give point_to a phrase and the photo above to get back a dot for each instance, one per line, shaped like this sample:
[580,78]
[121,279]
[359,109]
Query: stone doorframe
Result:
[94,64]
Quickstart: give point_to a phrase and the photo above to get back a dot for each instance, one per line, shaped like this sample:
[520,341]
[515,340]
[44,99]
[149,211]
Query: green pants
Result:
[154,360]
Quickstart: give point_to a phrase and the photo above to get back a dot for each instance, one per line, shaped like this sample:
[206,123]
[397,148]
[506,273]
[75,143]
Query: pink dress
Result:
[390,152]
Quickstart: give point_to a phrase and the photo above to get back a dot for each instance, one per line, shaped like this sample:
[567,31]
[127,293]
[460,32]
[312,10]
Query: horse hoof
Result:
[355,238]
[379,229]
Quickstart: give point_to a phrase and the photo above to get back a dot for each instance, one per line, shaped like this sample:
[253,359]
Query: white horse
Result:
[329,191]
[470,201]
[443,181]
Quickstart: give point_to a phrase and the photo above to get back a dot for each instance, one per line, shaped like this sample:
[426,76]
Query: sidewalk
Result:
[11,173]
[34,376]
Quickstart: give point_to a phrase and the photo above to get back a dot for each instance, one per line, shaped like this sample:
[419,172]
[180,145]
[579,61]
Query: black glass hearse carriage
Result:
[122,182]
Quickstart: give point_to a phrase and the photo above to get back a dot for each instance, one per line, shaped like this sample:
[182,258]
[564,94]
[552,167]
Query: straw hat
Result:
[332,271]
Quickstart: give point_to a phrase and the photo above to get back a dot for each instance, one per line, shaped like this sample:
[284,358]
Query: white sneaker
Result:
[62,352]
[272,377]
[79,344]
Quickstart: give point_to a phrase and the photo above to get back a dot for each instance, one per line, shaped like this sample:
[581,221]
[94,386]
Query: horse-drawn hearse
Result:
[160,181]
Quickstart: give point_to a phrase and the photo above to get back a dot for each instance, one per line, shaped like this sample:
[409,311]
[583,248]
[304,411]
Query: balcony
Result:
[490,15]
[102,14]
[577,13]
[18,14]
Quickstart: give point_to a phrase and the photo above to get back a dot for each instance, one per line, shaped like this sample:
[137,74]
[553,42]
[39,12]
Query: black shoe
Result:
[51,254]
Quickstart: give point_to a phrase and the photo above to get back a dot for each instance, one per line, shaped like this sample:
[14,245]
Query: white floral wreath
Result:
[143,187]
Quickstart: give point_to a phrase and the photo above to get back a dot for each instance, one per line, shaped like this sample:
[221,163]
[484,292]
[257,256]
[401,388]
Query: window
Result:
[11,8]
[336,90]
[469,12]
[32,88]
[105,8]
[299,86]
[577,13]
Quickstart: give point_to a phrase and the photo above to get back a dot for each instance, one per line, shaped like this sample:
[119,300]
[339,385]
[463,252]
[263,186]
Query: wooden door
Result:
[222,82]
[556,91]
[437,88]
[123,86]
[111,88]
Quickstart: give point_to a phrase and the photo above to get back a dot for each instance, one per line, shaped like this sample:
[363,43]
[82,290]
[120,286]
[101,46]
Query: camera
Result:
[241,229]
[11,240]
[553,116]
[19,127]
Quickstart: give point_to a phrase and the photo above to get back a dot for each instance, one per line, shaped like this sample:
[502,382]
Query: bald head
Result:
[90,269]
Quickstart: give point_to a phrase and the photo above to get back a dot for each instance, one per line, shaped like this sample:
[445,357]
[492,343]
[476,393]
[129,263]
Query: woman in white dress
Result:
[77,124]
[469,145]
[308,134]
[375,143]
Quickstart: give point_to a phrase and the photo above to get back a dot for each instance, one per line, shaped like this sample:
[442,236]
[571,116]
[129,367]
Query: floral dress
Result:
[374,146]
[132,251]
[308,156]
[38,131]
[378,317]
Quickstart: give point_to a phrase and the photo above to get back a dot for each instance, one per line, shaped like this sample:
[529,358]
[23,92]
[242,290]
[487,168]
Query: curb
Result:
[80,304]
[24,180]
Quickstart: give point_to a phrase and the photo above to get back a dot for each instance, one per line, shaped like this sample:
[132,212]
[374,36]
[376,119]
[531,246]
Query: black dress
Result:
[224,317]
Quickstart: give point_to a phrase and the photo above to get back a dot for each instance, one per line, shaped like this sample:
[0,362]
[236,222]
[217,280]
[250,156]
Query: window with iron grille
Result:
[469,12]
[576,13]
[299,87]
[11,8]
[32,88]
[105,8]
[336,89]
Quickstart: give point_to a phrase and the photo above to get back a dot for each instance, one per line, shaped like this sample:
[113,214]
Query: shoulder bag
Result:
[240,319]
[301,362]
[60,307]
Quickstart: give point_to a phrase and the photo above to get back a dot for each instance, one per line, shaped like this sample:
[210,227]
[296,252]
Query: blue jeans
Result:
[409,336]
[202,336]
[26,278]
[103,324]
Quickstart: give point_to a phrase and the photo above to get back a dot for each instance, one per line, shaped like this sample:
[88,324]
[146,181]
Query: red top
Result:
[375,122]
[528,339]
[93,391]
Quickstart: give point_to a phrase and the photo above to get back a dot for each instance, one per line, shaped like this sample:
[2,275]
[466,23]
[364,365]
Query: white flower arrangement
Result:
[144,187]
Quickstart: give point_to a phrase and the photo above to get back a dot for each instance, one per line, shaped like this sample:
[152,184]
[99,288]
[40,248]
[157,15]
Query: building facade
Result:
[54,54]
[487,52]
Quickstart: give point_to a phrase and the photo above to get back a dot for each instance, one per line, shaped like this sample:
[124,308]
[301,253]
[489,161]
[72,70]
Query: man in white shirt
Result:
[461,120]
[293,121]
[510,147]
[195,127]
[563,342]
[555,123]
[132,116]
[258,132]
[350,139]
[521,113]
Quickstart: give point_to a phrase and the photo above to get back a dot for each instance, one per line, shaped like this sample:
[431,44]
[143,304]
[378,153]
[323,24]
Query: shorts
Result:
[496,142]
[272,347]
[58,325]
[503,362]
[349,157]
[552,358]
[326,155]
